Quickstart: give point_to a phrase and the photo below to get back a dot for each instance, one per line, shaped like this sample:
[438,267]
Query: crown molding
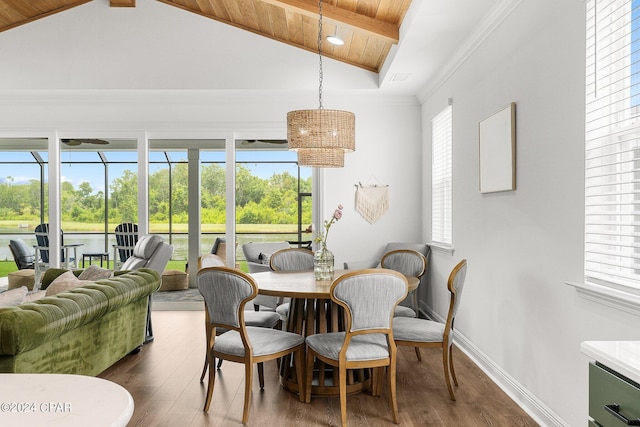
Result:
[492,21]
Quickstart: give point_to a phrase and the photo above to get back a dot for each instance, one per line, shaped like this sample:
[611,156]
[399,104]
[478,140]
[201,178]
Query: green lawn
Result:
[7,267]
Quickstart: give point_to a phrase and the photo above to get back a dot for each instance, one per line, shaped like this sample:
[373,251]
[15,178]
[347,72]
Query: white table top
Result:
[62,400]
[621,356]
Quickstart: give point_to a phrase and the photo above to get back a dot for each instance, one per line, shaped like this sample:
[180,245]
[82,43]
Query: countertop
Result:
[621,356]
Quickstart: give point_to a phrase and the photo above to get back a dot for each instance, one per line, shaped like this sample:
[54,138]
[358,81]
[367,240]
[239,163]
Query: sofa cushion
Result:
[64,282]
[93,272]
[34,296]
[13,297]
[265,259]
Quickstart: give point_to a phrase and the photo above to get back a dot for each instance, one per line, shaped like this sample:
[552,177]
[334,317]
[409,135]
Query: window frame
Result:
[441,180]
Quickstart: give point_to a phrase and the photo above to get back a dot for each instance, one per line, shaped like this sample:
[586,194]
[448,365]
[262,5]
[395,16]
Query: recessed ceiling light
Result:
[335,40]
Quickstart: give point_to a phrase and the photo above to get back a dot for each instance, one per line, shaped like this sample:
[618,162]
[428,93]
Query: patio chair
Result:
[41,258]
[225,292]
[22,255]
[126,239]
[369,298]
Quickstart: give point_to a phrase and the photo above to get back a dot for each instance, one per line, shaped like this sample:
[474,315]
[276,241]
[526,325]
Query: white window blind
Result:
[612,156]
[441,178]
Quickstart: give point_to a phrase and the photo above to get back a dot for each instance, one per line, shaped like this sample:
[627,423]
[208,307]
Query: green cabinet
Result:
[614,400]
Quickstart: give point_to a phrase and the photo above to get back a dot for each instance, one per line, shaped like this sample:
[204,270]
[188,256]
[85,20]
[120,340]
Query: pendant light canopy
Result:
[321,137]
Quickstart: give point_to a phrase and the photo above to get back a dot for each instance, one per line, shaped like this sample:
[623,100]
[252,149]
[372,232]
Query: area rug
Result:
[187,295]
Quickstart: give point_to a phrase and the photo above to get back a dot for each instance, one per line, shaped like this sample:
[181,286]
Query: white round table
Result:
[63,400]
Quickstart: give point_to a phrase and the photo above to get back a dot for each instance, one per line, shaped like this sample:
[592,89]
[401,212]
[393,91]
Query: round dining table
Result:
[311,311]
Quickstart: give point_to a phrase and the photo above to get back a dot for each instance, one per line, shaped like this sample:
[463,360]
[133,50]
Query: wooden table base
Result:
[313,316]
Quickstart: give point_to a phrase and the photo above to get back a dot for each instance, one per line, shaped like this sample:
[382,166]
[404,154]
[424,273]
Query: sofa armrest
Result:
[256,267]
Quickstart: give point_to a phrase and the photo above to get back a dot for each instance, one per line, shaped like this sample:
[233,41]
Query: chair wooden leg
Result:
[309,376]
[204,369]
[447,376]
[261,375]
[375,374]
[453,372]
[248,380]
[343,394]
[418,355]
[298,359]
[212,381]
[380,381]
[392,391]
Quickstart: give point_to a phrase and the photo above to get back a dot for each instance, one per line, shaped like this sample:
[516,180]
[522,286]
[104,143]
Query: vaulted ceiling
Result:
[369,28]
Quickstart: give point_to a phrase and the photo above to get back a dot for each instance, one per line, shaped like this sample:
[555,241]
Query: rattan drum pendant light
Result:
[321,137]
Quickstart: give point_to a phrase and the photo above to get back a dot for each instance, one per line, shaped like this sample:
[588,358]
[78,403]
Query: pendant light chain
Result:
[320,53]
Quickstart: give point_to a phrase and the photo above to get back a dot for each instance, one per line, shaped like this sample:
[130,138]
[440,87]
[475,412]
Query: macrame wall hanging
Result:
[372,201]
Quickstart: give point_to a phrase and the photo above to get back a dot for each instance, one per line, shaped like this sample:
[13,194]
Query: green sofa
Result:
[81,331]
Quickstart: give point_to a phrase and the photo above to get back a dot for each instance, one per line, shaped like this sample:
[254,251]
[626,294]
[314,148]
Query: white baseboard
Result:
[535,408]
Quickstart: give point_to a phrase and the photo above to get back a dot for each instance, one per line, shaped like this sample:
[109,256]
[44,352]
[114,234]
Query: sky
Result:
[22,168]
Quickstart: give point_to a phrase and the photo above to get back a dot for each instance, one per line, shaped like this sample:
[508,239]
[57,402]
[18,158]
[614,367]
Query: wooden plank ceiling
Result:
[369,28]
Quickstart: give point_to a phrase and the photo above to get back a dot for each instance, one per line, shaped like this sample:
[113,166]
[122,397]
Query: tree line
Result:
[272,200]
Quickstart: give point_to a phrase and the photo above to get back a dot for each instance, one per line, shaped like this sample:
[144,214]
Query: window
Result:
[612,156]
[441,179]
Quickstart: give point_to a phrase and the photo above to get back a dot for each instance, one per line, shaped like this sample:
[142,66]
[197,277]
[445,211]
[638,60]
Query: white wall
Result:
[522,245]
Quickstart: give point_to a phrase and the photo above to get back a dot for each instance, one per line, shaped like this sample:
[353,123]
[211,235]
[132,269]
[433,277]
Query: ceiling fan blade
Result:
[71,142]
[264,141]
[77,141]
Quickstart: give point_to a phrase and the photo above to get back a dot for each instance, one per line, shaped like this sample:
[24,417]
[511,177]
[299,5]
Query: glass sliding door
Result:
[273,194]
[23,194]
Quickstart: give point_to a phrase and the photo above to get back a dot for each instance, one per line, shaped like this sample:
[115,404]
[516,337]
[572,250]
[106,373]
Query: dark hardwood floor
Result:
[164,382]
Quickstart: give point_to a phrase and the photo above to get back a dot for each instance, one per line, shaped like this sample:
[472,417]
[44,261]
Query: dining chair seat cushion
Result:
[418,330]
[361,347]
[263,341]
[402,311]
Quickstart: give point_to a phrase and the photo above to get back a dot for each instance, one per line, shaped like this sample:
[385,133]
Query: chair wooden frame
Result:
[248,359]
[343,365]
[446,344]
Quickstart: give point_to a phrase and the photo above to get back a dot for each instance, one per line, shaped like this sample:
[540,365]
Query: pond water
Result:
[92,243]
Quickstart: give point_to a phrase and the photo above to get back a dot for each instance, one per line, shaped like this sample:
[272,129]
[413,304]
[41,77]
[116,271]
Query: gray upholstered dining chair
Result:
[226,291]
[428,333]
[293,259]
[410,263]
[369,298]
[264,319]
